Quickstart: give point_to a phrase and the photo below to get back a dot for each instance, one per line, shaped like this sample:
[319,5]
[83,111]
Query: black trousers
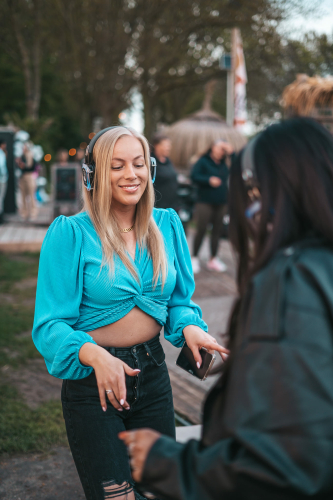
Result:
[100,457]
[206,213]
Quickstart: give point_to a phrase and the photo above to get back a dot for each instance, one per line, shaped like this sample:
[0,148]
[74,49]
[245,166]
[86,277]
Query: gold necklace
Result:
[127,229]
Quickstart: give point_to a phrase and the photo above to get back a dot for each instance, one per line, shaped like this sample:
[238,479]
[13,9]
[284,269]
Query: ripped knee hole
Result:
[114,490]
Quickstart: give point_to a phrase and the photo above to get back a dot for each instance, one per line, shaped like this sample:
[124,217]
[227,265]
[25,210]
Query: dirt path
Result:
[49,476]
[44,476]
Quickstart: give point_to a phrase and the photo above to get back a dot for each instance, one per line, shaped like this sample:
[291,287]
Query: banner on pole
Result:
[240,112]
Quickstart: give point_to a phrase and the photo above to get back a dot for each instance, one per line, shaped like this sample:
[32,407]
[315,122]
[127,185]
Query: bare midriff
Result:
[134,328]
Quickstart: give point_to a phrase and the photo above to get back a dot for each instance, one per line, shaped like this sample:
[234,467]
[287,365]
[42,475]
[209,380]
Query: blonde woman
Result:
[109,279]
[27,184]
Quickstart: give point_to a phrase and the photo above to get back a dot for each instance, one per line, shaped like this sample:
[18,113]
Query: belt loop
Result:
[147,348]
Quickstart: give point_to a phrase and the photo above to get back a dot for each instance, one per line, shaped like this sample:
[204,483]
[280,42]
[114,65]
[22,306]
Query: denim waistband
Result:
[116,351]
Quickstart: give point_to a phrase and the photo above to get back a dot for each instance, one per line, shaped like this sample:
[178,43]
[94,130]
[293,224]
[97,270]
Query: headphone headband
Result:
[90,147]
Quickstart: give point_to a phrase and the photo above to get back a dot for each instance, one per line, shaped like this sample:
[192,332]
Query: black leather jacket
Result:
[268,422]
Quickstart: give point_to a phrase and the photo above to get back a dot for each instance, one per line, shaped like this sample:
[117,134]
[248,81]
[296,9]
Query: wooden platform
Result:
[21,238]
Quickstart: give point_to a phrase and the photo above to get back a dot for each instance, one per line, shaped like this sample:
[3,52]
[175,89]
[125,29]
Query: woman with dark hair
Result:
[210,173]
[268,421]
[166,184]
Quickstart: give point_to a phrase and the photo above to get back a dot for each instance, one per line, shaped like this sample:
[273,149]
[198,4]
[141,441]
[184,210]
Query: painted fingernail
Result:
[122,401]
[198,364]
[104,408]
[137,370]
[119,409]
[127,408]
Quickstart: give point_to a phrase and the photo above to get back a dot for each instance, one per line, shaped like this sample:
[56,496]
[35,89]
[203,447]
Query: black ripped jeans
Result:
[100,457]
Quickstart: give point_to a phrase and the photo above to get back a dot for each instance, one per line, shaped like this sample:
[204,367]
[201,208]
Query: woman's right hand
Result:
[215,181]
[110,374]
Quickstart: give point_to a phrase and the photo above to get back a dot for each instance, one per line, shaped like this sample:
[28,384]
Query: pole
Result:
[231,81]
[230,98]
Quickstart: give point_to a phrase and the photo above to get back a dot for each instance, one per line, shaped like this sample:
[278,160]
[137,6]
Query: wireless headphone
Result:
[88,167]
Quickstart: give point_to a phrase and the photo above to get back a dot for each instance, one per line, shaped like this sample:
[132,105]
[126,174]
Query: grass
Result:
[17,308]
[21,428]
[24,430]
[14,268]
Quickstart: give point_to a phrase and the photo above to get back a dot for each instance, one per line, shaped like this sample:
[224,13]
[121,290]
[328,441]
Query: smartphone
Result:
[187,362]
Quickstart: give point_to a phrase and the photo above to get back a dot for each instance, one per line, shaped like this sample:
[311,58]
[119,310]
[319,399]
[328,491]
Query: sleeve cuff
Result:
[176,337]
[88,340]
[67,364]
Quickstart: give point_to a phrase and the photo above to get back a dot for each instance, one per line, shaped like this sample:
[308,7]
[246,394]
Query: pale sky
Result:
[322,23]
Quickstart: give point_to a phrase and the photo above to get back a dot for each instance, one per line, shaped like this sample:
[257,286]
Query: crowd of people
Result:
[27,173]
[111,276]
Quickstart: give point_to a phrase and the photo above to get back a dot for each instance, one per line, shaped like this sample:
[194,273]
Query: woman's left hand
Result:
[196,338]
[138,443]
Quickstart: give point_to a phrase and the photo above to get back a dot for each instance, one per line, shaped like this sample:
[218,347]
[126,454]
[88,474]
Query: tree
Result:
[90,46]
[177,44]
[83,58]
[24,22]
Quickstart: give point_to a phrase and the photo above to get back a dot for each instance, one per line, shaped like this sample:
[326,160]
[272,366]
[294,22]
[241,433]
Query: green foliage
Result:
[92,54]
[12,87]
[25,430]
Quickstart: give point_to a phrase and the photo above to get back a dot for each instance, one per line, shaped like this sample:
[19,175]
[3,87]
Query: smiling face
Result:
[129,173]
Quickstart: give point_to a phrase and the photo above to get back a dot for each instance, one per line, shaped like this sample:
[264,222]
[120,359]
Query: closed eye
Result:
[122,166]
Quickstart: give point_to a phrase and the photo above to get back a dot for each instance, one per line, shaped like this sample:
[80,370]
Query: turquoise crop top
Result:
[75,295]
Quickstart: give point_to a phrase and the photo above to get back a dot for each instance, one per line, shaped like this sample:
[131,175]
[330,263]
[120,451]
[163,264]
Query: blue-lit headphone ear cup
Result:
[153,168]
[88,172]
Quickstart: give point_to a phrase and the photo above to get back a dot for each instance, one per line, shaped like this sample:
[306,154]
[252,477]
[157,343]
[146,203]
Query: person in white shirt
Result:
[3,177]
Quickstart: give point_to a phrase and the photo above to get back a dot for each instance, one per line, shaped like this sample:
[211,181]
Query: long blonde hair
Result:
[98,203]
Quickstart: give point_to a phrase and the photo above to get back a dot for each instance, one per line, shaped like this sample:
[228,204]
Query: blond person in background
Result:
[27,184]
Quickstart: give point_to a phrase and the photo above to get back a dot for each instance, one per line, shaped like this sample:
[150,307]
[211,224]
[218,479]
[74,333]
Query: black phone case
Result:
[187,362]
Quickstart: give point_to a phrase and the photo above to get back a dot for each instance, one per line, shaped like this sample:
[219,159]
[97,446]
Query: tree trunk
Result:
[30,65]
[37,80]
[209,93]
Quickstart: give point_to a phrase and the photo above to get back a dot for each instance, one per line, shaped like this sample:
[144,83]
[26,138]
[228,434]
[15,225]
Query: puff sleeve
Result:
[58,298]
[182,311]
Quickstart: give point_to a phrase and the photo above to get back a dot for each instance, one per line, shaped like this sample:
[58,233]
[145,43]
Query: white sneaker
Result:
[217,265]
[195,265]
